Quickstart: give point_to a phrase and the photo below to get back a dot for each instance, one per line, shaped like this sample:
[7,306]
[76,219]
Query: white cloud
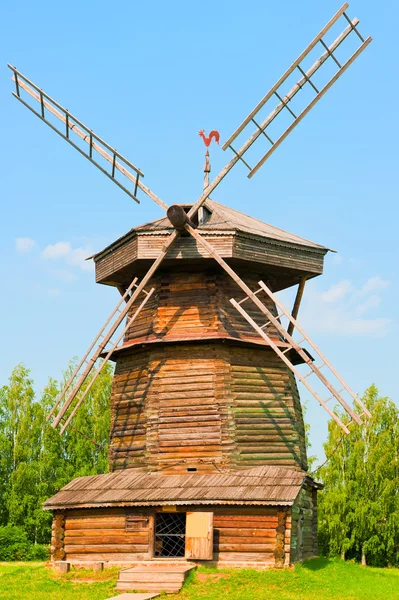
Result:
[373,284]
[371,302]
[24,244]
[344,309]
[54,292]
[75,257]
[58,250]
[337,291]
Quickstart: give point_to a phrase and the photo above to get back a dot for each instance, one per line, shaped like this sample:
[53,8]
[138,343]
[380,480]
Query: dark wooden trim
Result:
[297,303]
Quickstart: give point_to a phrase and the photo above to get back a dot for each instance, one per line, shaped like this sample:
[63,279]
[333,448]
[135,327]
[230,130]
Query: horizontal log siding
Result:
[129,407]
[268,419]
[204,406]
[187,304]
[170,407]
[245,535]
[241,534]
[304,543]
[100,535]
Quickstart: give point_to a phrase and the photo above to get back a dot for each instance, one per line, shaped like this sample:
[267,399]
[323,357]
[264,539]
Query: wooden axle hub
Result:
[178,217]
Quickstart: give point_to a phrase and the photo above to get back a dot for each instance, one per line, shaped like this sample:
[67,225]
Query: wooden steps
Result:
[134,596]
[154,577]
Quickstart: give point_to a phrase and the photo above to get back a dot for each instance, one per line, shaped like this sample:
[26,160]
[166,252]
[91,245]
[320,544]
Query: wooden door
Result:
[199,535]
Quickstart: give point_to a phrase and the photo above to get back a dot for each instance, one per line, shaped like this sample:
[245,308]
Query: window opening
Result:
[170,534]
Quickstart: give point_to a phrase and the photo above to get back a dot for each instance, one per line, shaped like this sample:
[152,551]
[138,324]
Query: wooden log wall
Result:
[57,537]
[101,535]
[246,534]
[205,406]
[169,407]
[268,419]
[304,544]
[241,534]
[196,304]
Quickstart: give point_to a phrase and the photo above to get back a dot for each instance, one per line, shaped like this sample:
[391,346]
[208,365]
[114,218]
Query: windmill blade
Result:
[305,79]
[98,370]
[253,296]
[101,334]
[72,126]
[88,363]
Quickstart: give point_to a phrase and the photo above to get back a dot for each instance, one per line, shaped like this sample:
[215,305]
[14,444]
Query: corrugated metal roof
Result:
[260,485]
[222,220]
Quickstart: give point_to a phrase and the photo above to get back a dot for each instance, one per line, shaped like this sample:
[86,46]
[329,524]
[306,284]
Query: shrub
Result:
[14,545]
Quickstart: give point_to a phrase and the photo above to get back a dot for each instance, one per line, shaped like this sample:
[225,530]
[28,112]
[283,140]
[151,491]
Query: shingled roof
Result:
[260,486]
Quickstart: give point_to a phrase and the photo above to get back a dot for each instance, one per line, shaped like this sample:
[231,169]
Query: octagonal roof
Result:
[239,239]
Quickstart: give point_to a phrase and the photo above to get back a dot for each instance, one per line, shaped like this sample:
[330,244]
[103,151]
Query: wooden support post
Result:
[64,566]
[297,303]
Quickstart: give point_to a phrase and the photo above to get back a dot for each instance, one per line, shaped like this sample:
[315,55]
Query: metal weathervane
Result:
[214,135]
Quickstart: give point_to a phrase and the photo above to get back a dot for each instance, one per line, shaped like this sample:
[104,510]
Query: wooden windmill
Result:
[207,448]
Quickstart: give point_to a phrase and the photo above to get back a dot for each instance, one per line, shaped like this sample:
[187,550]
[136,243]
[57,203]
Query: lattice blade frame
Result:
[73,125]
[261,129]
[315,348]
[276,323]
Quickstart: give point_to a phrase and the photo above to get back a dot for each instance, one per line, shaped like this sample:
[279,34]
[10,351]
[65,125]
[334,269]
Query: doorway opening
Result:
[170,535]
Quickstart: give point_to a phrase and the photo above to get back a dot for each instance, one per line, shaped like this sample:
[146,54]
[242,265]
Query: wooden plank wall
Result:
[194,304]
[100,535]
[241,246]
[203,405]
[169,407]
[268,419]
[245,535]
[129,398]
[241,534]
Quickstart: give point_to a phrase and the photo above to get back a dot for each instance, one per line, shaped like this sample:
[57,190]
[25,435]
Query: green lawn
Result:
[318,579]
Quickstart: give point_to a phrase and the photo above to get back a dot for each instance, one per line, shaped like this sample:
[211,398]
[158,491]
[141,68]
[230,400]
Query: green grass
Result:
[318,579]
[35,581]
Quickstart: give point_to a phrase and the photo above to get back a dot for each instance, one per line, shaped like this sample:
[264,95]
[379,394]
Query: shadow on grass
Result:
[316,564]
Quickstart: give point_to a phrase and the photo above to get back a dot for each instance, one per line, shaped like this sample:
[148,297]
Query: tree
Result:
[359,508]
[35,461]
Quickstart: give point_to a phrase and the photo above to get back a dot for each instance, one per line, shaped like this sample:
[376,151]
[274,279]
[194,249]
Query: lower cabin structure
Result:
[207,453]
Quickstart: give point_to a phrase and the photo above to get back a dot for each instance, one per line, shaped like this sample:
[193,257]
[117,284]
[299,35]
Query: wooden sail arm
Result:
[94,142]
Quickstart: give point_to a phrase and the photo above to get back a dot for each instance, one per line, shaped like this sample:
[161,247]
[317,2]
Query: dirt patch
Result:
[210,576]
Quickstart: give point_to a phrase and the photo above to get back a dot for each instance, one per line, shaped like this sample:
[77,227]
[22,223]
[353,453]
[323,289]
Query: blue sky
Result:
[146,77]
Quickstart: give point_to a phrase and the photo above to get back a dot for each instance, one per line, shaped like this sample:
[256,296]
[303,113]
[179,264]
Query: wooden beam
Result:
[30,89]
[309,107]
[297,303]
[122,290]
[178,217]
[277,324]
[286,74]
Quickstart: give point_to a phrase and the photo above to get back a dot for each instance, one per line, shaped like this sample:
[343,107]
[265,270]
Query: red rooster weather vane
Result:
[213,135]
